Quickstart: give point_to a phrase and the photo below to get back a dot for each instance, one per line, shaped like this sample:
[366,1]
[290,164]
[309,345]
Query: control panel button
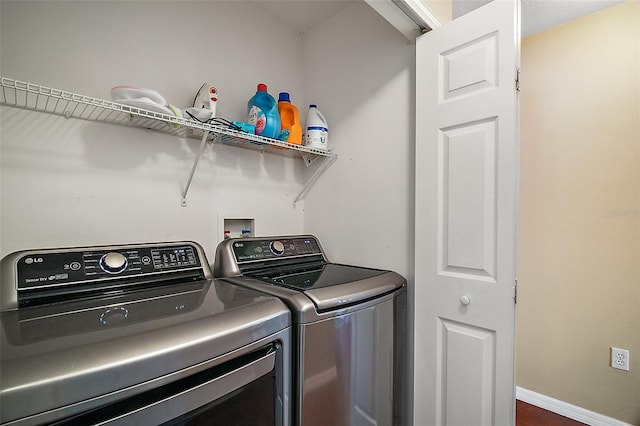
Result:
[277,247]
[113,263]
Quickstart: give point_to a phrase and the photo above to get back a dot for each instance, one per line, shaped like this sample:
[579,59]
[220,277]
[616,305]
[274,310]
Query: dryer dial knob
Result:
[113,263]
[277,248]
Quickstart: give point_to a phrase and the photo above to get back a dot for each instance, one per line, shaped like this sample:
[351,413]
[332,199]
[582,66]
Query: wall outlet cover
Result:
[620,359]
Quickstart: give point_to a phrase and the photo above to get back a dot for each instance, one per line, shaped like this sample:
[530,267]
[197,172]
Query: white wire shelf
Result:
[35,97]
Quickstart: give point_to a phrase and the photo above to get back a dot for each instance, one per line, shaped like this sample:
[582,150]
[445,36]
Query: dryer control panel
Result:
[39,273]
[44,269]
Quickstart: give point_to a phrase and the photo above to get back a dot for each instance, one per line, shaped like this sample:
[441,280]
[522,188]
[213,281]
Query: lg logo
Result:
[30,260]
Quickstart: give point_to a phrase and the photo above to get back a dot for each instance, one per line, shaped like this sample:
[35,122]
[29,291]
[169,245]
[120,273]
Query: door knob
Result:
[465,300]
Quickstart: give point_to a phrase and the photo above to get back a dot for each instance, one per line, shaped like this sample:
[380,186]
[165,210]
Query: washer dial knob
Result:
[277,247]
[113,263]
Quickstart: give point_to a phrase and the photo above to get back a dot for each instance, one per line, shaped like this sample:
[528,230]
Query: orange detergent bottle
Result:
[290,127]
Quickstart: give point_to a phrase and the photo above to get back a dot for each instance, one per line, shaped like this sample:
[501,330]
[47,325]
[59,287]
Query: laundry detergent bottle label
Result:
[258,119]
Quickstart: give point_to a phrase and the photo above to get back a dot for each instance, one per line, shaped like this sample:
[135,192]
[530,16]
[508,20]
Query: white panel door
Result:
[466,198]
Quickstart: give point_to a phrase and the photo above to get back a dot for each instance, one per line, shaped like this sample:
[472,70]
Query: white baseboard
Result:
[565,409]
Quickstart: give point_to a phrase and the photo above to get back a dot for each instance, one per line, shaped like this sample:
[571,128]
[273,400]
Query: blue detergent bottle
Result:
[262,112]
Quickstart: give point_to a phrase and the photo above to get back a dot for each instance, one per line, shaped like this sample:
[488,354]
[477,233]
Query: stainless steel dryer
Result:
[349,327]
[138,335]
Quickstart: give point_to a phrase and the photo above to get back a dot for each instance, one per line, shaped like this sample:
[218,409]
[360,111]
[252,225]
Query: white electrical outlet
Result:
[620,359]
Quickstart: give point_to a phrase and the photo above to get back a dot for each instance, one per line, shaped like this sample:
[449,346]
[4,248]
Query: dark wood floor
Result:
[530,415]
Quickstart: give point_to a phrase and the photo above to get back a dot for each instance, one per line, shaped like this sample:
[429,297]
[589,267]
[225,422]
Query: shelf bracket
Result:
[205,135]
[328,161]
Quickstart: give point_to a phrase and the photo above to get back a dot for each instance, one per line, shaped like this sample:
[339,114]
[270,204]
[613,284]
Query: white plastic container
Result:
[316,133]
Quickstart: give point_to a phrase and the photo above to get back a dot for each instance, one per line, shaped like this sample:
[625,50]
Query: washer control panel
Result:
[56,268]
[256,249]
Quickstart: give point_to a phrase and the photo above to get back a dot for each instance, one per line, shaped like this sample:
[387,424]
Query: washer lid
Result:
[332,286]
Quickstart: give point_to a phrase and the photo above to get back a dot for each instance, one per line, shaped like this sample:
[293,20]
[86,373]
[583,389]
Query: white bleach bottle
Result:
[316,130]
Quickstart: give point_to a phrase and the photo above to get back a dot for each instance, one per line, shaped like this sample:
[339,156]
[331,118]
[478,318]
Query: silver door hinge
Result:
[515,292]
[518,80]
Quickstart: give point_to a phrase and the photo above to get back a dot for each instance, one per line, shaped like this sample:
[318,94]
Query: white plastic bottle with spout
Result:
[316,134]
